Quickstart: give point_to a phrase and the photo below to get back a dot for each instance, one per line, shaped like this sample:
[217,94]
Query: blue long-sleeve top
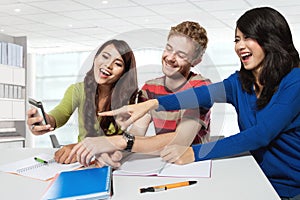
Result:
[271,134]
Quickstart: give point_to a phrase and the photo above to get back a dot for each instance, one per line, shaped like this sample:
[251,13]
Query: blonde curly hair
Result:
[194,31]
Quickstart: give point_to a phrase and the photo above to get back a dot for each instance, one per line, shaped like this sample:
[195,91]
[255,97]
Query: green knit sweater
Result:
[73,99]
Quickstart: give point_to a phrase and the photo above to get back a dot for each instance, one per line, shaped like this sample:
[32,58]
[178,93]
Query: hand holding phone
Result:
[40,109]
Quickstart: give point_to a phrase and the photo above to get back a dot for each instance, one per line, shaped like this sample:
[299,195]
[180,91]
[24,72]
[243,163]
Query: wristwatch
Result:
[129,138]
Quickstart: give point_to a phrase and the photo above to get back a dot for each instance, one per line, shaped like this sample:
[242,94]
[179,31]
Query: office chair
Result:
[54,141]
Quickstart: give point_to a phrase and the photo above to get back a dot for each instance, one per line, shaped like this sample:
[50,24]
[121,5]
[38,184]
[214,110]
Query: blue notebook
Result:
[91,183]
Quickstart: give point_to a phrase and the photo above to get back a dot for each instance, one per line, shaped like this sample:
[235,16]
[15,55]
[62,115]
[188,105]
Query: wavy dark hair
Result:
[124,91]
[272,32]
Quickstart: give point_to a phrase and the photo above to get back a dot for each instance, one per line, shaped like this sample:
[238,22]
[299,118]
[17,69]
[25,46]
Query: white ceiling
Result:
[79,25]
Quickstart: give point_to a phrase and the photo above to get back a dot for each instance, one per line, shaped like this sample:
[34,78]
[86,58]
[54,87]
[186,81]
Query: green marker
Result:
[40,160]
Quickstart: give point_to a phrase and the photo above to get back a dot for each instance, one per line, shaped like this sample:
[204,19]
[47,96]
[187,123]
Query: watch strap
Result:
[129,138]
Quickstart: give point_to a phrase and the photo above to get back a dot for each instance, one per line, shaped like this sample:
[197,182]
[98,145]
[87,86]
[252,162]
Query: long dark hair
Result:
[272,32]
[123,92]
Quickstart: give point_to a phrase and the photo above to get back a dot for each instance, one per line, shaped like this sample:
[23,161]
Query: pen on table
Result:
[40,160]
[165,164]
[167,186]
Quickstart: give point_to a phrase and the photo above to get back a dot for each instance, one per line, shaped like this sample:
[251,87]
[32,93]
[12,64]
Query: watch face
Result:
[128,136]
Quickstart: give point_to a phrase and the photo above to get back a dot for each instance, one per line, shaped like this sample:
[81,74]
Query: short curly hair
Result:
[194,31]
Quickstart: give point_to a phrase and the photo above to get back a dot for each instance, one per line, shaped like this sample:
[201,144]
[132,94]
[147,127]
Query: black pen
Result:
[167,186]
[40,160]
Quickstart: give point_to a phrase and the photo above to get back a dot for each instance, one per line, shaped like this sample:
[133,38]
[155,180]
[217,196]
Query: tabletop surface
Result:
[231,178]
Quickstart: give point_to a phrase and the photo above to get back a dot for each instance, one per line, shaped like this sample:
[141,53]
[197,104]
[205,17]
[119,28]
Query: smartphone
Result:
[39,106]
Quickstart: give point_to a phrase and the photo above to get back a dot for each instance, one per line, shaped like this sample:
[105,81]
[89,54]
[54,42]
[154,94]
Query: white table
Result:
[232,179]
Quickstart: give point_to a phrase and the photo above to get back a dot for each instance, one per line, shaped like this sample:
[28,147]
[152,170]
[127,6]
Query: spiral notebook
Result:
[43,171]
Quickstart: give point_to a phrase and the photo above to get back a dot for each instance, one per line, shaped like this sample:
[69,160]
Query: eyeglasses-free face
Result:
[108,66]
[178,56]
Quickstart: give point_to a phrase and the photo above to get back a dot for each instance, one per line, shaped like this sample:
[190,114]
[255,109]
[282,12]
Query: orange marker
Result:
[167,186]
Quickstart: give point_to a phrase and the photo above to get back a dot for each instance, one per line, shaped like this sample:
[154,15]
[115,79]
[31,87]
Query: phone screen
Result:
[39,106]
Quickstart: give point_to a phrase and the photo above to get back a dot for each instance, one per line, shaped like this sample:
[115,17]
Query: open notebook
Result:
[148,165]
[31,168]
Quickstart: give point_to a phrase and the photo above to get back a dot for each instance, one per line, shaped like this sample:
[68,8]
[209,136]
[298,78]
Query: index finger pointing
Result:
[107,113]
[122,110]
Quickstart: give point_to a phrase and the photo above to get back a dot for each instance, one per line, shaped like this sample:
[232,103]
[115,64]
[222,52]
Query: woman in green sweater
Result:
[109,84]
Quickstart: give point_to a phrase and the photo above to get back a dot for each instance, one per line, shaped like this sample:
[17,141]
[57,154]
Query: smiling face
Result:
[108,66]
[178,56]
[249,51]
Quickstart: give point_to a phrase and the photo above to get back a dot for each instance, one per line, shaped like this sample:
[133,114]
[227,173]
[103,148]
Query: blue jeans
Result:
[293,198]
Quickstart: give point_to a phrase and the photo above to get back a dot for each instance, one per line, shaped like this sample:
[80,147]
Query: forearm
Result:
[151,144]
[151,104]
[186,131]
[140,126]
[190,98]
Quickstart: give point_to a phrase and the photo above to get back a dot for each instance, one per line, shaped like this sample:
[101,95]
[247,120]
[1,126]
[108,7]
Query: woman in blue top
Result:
[265,94]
